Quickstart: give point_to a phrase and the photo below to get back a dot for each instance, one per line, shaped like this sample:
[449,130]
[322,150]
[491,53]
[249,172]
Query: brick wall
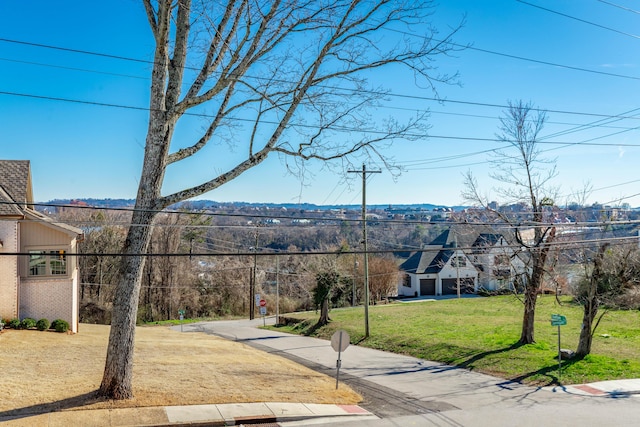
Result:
[8,270]
[48,298]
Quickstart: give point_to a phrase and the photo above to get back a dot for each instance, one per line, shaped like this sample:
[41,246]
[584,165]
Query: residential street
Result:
[404,390]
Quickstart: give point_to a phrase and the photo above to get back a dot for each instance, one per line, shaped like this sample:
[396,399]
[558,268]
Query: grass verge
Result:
[481,334]
[46,371]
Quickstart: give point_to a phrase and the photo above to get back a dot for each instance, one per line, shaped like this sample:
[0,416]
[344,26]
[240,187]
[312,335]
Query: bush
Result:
[14,323]
[60,325]
[42,324]
[28,323]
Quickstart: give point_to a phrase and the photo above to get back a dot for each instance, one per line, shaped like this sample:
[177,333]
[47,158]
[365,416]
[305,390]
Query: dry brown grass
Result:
[44,371]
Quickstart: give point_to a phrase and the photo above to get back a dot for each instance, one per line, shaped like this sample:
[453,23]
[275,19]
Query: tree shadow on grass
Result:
[547,372]
[467,364]
[60,405]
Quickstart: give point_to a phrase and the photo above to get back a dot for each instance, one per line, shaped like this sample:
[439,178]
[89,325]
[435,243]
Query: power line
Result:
[404,96]
[336,128]
[580,20]
[620,7]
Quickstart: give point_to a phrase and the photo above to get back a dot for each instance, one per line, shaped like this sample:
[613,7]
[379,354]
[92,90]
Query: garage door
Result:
[450,286]
[427,286]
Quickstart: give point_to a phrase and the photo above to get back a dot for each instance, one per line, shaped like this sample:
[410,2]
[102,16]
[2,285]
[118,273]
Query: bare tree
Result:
[384,278]
[525,177]
[294,73]
[613,273]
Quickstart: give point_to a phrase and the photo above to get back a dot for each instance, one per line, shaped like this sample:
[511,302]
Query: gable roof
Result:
[426,262]
[15,185]
[8,206]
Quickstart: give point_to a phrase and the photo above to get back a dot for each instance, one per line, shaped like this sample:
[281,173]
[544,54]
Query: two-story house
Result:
[38,269]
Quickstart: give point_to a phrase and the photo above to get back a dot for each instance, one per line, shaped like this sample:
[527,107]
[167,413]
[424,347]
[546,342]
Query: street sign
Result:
[558,320]
[263,303]
[258,299]
[263,310]
[340,340]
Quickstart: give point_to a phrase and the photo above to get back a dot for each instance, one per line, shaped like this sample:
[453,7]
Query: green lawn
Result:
[481,334]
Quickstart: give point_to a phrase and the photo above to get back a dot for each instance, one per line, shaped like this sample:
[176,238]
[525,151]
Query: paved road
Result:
[404,391]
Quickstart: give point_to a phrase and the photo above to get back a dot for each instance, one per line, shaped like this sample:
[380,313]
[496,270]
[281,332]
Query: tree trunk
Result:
[117,378]
[324,313]
[586,333]
[533,286]
[528,318]
[591,305]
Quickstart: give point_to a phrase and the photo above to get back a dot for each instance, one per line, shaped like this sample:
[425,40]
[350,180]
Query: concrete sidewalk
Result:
[209,415]
[441,394]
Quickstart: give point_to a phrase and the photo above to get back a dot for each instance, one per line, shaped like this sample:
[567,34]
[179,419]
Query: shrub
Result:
[60,325]
[42,324]
[28,323]
[14,323]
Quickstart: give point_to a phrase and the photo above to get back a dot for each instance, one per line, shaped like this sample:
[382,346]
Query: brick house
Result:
[38,277]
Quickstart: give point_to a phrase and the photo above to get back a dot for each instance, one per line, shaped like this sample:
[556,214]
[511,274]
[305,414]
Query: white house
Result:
[439,269]
[499,266]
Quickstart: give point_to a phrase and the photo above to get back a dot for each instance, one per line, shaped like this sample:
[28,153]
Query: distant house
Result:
[38,275]
[498,262]
[439,269]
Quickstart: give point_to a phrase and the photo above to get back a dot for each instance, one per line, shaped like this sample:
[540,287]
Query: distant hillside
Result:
[210,204]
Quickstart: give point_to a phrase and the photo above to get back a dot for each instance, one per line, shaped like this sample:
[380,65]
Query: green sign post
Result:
[558,320]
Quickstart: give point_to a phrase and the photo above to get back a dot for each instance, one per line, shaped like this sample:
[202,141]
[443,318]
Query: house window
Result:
[407,281]
[47,263]
[458,261]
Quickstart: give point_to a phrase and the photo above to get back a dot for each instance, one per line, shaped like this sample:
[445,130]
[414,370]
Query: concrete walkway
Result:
[209,415]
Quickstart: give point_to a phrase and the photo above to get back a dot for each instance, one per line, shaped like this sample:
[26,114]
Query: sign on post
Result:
[339,342]
[558,320]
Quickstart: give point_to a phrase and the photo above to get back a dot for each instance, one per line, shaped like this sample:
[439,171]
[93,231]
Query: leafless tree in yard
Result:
[275,77]
[525,177]
[611,278]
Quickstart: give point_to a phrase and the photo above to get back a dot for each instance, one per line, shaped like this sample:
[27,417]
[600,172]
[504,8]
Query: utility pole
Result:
[277,291]
[252,283]
[457,259]
[364,173]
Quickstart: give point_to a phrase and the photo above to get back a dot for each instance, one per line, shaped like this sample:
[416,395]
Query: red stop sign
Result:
[263,303]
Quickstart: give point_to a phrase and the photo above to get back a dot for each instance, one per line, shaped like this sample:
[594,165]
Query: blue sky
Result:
[83,150]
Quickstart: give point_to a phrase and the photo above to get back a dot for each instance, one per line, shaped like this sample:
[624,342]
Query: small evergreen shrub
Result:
[28,323]
[42,324]
[14,323]
[60,325]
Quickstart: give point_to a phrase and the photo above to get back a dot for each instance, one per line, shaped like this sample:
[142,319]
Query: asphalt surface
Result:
[402,390]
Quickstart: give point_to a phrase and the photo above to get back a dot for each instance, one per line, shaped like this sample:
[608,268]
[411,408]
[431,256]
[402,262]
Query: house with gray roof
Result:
[440,268]
[38,272]
[500,264]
